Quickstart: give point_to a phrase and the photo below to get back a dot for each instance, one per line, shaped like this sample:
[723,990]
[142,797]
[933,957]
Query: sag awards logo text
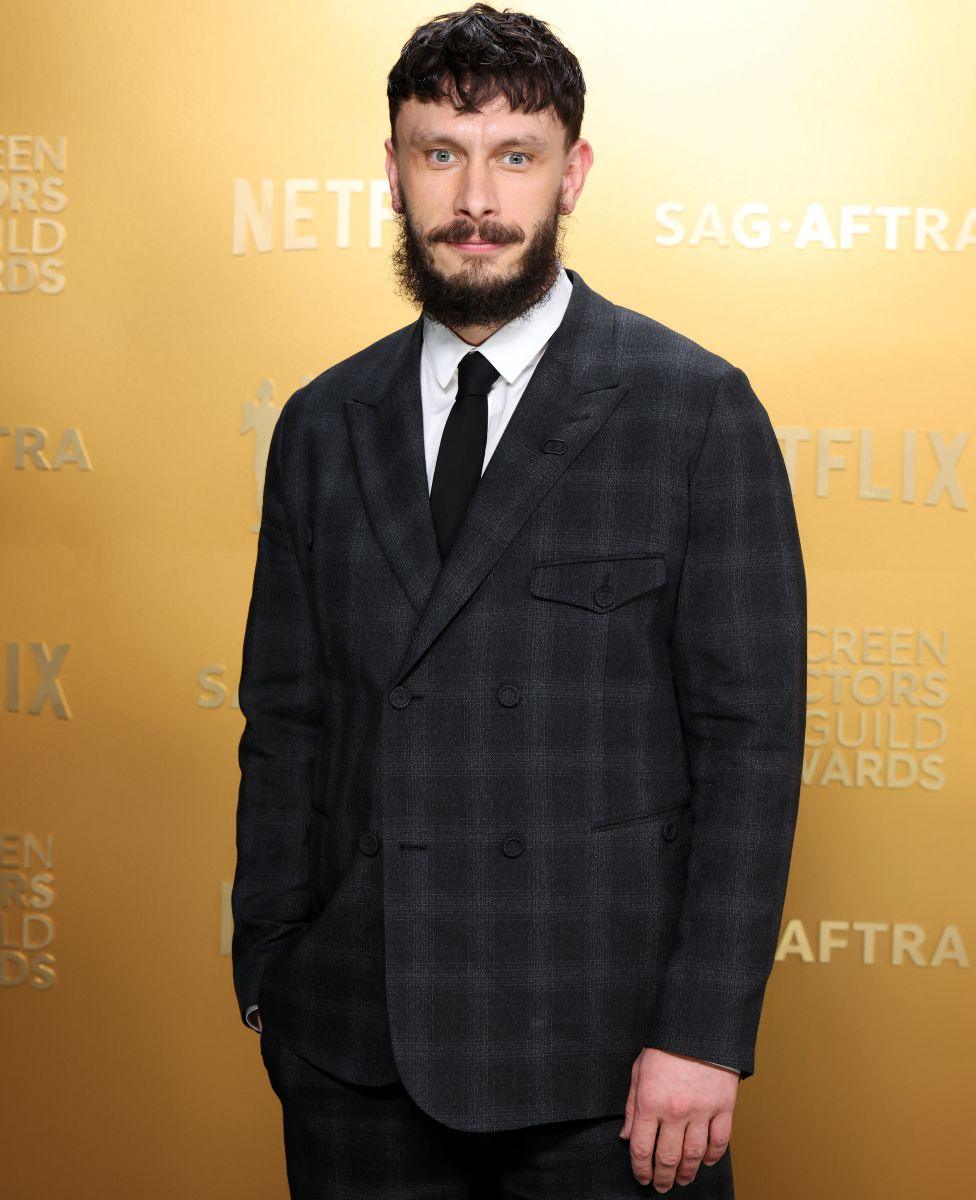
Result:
[873,943]
[754,225]
[26,924]
[32,183]
[30,447]
[876,701]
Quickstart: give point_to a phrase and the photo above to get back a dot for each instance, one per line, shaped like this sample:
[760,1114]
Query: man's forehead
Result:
[426,120]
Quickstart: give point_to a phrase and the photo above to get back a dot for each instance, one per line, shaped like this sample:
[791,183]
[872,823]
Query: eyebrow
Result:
[427,136]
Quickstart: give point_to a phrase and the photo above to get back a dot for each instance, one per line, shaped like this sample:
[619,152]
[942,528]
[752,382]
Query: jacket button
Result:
[512,847]
[553,446]
[509,695]
[400,696]
[603,596]
[670,831]
[369,843]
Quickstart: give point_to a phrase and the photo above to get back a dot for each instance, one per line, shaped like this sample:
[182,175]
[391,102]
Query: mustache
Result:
[465,231]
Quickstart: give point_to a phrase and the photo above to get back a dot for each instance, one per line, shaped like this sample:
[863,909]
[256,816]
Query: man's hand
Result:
[685,1106]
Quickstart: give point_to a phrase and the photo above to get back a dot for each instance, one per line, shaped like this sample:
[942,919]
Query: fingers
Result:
[694,1146]
[678,1115]
[719,1133]
[644,1133]
[668,1153]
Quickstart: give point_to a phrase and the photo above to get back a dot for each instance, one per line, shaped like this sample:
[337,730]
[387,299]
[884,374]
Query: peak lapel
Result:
[386,428]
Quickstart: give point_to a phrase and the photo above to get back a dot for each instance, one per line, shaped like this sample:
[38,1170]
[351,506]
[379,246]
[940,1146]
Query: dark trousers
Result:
[346,1141]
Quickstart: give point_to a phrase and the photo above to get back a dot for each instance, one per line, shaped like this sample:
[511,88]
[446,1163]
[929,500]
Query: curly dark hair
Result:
[481,52]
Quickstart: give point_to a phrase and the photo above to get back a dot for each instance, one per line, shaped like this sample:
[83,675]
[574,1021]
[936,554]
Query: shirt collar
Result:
[509,349]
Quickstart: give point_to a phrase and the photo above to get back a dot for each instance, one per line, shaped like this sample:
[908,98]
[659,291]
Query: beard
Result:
[476,294]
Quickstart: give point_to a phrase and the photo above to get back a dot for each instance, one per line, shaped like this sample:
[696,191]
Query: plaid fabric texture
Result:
[345,1141]
[505,820]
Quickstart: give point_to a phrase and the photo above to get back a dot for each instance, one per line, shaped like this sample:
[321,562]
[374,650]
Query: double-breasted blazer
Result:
[507,819]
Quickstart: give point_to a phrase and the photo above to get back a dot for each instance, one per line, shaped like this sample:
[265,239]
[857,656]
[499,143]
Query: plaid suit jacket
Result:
[506,819]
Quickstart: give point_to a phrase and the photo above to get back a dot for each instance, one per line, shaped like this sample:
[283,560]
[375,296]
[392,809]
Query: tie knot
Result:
[475,375]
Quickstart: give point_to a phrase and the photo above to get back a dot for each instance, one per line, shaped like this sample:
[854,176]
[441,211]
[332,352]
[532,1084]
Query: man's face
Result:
[478,198]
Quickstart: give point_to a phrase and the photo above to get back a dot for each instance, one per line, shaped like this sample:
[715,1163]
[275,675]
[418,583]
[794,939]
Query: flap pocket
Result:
[674,811]
[598,584]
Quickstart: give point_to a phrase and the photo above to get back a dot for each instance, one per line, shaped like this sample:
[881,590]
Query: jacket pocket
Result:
[673,810]
[597,584]
[319,830]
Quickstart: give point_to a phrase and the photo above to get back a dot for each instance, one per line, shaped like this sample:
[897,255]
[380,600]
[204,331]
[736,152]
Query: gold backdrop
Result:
[194,219]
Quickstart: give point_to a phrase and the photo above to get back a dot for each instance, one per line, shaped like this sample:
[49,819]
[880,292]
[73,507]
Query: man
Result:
[523,680]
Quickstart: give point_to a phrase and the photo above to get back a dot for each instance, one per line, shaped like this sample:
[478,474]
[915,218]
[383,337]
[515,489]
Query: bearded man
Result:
[524,689]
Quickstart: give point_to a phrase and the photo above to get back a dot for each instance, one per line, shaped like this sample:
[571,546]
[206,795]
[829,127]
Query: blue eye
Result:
[518,154]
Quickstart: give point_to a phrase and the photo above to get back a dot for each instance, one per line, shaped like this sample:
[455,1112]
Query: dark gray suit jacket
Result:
[504,821]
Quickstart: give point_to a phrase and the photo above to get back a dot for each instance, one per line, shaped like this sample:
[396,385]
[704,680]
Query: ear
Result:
[392,176]
[578,163]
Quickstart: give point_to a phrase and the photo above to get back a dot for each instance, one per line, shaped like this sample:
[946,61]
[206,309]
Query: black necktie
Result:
[461,453]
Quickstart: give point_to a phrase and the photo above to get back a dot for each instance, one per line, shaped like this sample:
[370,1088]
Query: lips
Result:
[476,245]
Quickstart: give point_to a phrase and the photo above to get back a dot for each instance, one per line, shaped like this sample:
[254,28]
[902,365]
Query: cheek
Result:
[426,195]
[536,201]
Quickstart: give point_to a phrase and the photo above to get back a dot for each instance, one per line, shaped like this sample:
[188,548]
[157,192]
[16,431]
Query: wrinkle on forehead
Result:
[527,128]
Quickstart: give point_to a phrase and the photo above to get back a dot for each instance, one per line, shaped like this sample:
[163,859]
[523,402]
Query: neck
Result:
[474,335]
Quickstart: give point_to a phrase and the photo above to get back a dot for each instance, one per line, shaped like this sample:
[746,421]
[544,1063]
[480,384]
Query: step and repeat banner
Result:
[195,220]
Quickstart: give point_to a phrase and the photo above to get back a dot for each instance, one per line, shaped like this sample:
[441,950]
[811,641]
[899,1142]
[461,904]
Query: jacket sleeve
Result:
[280,699]
[738,656]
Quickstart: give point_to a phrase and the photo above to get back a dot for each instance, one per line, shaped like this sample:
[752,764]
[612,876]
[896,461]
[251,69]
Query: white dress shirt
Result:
[514,351]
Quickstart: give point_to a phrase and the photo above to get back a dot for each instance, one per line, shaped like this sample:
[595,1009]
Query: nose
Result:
[475,197]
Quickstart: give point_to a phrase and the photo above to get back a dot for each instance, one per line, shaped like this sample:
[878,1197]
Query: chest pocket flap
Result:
[597,584]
